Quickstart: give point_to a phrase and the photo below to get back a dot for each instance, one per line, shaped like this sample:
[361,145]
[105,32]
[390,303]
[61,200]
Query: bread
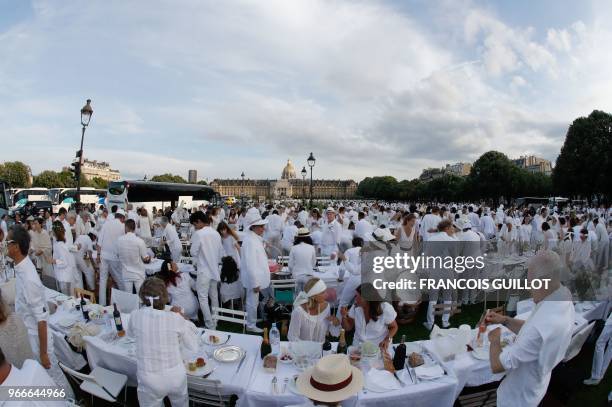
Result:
[415,360]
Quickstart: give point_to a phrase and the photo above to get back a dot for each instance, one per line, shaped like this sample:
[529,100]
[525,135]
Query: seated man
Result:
[541,341]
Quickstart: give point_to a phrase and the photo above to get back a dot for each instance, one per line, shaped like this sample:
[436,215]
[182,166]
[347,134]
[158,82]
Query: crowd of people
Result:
[231,250]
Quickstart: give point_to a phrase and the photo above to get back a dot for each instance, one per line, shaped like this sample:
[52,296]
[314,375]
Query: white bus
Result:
[20,196]
[4,199]
[65,197]
[158,194]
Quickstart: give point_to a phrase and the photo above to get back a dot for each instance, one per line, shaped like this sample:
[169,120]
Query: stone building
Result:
[288,186]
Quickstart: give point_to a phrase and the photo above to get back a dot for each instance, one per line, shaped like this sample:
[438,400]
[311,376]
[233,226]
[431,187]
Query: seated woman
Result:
[159,336]
[311,318]
[180,286]
[302,258]
[372,318]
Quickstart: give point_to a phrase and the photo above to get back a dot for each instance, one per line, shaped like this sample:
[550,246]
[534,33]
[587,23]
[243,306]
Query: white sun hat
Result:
[331,380]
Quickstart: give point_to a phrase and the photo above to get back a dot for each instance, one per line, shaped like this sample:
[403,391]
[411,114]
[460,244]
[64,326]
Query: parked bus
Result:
[158,194]
[19,196]
[66,197]
[4,198]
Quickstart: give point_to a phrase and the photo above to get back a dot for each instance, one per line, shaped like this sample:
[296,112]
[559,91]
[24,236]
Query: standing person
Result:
[289,232]
[172,239]
[363,228]
[273,232]
[406,235]
[133,255]
[603,246]
[40,247]
[541,341]
[31,305]
[302,258]
[473,218]
[66,273]
[160,336]
[229,239]
[3,225]
[255,273]
[83,259]
[331,234]
[107,252]
[603,354]
[144,227]
[207,250]
[429,223]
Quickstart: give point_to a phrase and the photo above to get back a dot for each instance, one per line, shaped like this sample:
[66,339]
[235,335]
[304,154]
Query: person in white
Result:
[302,216]
[4,226]
[207,250]
[550,238]
[31,305]
[254,272]
[541,341]
[429,223]
[31,374]
[133,255]
[108,257]
[311,318]
[487,225]
[372,318]
[363,228]
[602,355]
[144,227]
[40,247]
[171,238]
[180,288]
[160,337]
[580,256]
[272,235]
[473,218]
[331,233]
[603,245]
[82,259]
[469,246]
[302,258]
[66,273]
[406,234]
[290,230]
[351,263]
[82,225]
[63,217]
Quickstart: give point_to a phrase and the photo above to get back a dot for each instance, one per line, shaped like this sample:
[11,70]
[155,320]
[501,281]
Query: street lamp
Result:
[86,113]
[242,192]
[311,162]
[304,172]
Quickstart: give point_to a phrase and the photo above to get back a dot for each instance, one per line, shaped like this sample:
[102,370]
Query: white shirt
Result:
[172,239]
[306,327]
[159,337]
[331,234]
[364,229]
[65,267]
[30,374]
[85,244]
[302,259]
[429,221]
[207,249]
[68,234]
[352,263]
[474,220]
[373,331]
[131,250]
[274,226]
[107,239]
[255,271]
[289,233]
[30,299]
[182,295]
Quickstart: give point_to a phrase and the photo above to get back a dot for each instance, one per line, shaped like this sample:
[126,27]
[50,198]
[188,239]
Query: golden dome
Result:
[288,171]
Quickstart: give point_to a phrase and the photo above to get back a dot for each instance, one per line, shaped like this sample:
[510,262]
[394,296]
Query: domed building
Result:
[289,186]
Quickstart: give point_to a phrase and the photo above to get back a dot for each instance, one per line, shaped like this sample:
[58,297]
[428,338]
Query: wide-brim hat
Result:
[331,380]
[253,218]
[303,232]
[330,209]
[383,234]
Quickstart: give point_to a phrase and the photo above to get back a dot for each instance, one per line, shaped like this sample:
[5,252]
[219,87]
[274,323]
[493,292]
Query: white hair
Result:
[71,215]
[545,264]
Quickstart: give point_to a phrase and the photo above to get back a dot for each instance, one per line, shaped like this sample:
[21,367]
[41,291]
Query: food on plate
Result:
[192,367]
[414,359]
[200,362]
[286,357]
[214,339]
[269,363]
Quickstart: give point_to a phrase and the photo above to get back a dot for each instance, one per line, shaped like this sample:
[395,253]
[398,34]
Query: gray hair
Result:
[546,264]
[71,215]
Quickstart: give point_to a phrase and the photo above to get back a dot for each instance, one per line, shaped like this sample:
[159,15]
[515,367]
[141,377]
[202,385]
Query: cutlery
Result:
[227,340]
[274,390]
[241,360]
[398,379]
[285,383]
[209,373]
[410,374]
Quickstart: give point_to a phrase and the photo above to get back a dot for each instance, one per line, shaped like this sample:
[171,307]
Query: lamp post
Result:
[311,162]
[242,192]
[304,172]
[86,113]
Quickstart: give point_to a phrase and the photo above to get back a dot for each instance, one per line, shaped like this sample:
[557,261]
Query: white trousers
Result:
[328,249]
[207,288]
[133,286]
[85,268]
[114,268]
[603,353]
[55,371]
[152,388]
[252,304]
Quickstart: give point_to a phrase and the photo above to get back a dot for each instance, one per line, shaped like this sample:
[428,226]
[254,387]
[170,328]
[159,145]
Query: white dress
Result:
[182,295]
[373,331]
[65,267]
[306,327]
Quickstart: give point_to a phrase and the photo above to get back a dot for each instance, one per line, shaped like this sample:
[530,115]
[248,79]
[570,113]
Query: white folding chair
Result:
[282,260]
[206,392]
[100,383]
[577,342]
[324,260]
[229,315]
[99,356]
[126,302]
[65,354]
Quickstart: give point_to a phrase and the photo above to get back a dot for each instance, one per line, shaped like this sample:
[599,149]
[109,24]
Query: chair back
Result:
[485,398]
[97,355]
[205,392]
[85,293]
[282,260]
[229,315]
[577,342]
[126,302]
[65,354]
[283,290]
[186,260]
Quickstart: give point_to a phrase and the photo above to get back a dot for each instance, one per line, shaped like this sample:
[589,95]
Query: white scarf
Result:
[303,296]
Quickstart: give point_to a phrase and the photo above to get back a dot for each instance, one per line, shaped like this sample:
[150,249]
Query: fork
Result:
[285,383]
[274,380]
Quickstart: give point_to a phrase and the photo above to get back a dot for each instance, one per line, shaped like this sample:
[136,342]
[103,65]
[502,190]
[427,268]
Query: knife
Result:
[241,360]
[398,379]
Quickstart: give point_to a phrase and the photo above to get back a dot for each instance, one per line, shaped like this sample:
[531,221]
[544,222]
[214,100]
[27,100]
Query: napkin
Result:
[382,379]
[427,372]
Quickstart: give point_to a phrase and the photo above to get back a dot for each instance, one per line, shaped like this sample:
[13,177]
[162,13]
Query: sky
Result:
[370,87]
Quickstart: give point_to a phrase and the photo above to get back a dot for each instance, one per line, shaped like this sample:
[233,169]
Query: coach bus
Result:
[158,194]
[4,202]
[65,197]
[20,196]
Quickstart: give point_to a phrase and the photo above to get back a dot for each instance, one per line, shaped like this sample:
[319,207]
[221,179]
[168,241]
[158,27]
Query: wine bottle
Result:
[265,345]
[399,359]
[117,318]
[341,343]
[327,348]
[84,309]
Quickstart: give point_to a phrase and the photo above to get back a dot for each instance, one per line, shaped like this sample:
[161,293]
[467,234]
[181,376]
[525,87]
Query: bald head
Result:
[546,264]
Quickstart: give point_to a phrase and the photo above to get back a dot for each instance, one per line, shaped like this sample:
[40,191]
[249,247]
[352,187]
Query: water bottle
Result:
[275,339]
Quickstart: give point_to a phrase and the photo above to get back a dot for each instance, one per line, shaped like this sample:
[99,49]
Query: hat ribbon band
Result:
[331,387]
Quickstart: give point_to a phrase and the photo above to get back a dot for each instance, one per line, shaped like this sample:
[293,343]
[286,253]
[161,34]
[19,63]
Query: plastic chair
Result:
[126,302]
[101,383]
[206,392]
[229,315]
[86,294]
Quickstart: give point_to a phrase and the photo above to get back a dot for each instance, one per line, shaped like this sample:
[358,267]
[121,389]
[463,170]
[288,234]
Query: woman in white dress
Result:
[144,227]
[406,234]
[302,258]
[550,237]
[372,318]
[311,318]
[180,288]
[64,267]
[229,239]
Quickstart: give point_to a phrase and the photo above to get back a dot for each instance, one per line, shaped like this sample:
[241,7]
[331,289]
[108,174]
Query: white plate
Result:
[480,353]
[228,354]
[222,338]
[201,371]
[286,362]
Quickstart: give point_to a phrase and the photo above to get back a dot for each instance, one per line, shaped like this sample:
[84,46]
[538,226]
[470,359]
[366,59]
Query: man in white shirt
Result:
[31,304]
[172,239]
[542,340]
[602,355]
[303,216]
[429,223]
[289,232]
[473,218]
[273,232]
[133,255]
[107,252]
[331,233]
[207,251]
[255,272]
[363,228]
[83,256]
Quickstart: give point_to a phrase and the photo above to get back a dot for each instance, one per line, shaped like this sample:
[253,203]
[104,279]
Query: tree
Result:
[169,178]
[378,188]
[584,164]
[98,183]
[16,173]
[202,182]
[47,179]
[492,176]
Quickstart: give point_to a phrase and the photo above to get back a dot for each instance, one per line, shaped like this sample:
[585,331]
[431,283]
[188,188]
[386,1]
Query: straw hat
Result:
[303,232]
[330,209]
[331,380]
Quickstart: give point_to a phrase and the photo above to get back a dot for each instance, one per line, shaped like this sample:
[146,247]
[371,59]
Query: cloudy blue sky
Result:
[371,87]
